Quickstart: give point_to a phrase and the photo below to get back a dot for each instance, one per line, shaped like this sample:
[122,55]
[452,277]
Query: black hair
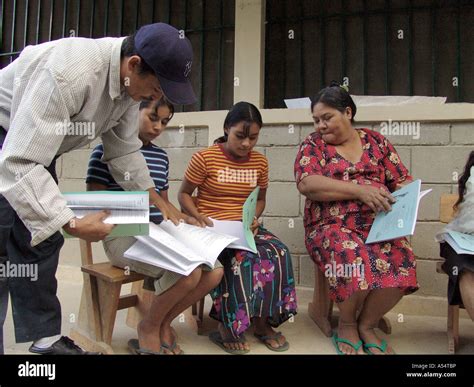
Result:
[128,49]
[337,97]
[464,178]
[156,105]
[241,112]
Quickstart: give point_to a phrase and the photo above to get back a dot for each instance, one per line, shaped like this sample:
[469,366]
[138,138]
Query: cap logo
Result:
[187,68]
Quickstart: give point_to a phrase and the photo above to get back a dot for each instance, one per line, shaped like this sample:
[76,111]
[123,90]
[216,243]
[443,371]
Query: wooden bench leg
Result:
[88,332]
[109,296]
[320,310]
[453,328]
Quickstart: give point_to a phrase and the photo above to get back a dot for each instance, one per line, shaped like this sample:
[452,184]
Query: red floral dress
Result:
[335,232]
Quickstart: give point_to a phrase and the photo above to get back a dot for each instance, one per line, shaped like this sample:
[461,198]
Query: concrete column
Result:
[249,54]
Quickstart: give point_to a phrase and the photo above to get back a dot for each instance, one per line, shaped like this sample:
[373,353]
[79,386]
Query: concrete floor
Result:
[415,335]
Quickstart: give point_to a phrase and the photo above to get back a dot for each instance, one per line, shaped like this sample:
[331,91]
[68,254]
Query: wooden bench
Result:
[446,214]
[101,299]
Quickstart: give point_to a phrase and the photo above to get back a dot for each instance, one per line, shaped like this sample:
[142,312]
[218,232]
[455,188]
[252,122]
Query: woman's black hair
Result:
[156,105]
[128,49]
[241,112]
[464,178]
[337,97]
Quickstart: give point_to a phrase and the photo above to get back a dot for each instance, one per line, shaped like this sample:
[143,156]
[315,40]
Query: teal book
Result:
[129,210]
[401,220]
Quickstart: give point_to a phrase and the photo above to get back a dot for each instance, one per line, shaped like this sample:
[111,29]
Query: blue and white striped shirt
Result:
[157,162]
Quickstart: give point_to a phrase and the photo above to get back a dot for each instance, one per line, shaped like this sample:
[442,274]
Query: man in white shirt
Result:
[48,96]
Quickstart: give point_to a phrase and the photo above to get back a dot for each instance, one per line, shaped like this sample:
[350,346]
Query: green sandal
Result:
[382,347]
[336,340]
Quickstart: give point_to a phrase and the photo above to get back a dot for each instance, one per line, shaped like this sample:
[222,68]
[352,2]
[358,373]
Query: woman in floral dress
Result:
[347,175]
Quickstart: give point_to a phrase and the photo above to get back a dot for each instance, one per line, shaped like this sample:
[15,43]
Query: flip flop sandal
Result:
[134,347]
[171,348]
[264,338]
[336,340]
[382,347]
[217,339]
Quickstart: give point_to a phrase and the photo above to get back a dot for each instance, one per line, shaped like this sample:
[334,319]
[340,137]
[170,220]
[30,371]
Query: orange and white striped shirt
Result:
[224,183]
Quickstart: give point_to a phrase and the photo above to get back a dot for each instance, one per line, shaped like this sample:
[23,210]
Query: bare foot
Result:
[264,329]
[349,332]
[231,344]
[149,336]
[368,336]
[168,340]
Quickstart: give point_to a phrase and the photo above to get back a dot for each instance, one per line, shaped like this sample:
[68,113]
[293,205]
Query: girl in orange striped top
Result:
[256,288]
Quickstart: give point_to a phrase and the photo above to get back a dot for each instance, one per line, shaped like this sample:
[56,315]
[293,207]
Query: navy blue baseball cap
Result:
[169,53]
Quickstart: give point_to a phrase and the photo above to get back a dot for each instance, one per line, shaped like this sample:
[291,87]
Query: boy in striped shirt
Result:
[174,292]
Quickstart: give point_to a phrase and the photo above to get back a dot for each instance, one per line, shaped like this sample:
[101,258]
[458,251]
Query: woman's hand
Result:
[376,198]
[254,226]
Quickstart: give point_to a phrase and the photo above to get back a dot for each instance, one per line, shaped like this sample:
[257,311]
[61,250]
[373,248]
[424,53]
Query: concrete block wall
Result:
[437,157]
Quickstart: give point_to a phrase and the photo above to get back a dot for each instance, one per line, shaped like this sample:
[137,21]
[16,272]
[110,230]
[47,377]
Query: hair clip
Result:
[345,87]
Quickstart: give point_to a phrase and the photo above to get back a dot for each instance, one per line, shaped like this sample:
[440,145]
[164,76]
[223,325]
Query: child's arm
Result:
[178,213]
[96,187]
[187,203]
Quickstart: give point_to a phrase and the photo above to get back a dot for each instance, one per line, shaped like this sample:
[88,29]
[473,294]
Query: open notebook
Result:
[129,210]
[184,247]
[401,220]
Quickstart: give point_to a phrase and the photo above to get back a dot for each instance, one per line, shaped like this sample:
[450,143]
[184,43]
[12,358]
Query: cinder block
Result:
[289,230]
[295,260]
[429,205]
[74,164]
[281,162]
[72,185]
[305,131]
[179,159]
[365,125]
[405,156]
[423,242]
[306,271]
[434,164]
[414,132]
[176,138]
[431,282]
[282,200]
[173,192]
[279,135]
[202,137]
[462,133]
